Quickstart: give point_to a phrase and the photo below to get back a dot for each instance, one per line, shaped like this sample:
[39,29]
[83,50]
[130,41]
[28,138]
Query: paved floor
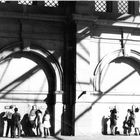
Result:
[94,137]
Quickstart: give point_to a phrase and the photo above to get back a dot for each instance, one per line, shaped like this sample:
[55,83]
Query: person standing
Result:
[16,117]
[32,120]
[127,124]
[39,123]
[129,121]
[9,120]
[113,120]
[46,123]
[137,121]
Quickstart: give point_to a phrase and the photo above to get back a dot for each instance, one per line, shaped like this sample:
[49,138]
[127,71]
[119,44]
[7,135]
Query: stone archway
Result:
[43,52]
[43,64]
[107,60]
[116,82]
[121,76]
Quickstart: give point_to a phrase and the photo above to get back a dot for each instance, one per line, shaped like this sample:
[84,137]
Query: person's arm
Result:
[43,118]
[19,117]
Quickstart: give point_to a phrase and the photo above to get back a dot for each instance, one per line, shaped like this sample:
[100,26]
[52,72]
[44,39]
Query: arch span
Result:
[15,47]
[45,61]
[107,59]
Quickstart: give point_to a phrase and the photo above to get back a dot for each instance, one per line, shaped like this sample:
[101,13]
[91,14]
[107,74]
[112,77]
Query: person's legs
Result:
[32,128]
[111,129]
[19,129]
[41,130]
[14,131]
[135,130]
[11,127]
[138,131]
[37,133]
[125,130]
[45,132]
[8,127]
[48,131]
[129,130]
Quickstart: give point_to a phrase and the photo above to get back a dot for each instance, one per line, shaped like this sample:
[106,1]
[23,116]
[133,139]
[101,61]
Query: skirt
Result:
[46,124]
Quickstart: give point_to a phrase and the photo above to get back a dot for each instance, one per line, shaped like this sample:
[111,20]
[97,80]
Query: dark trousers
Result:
[9,126]
[18,127]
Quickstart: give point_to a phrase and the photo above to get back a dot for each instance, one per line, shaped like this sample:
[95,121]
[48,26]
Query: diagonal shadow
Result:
[119,82]
[20,79]
[103,94]
[8,63]
[83,58]
[99,97]
[20,99]
[43,84]
[84,48]
[58,138]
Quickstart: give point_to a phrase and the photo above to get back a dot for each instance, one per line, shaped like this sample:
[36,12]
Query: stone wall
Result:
[107,72]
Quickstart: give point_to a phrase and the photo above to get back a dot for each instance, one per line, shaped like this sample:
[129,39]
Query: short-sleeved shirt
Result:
[9,114]
[16,117]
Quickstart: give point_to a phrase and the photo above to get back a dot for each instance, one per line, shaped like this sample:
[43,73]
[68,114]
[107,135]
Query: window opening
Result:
[123,7]
[51,3]
[25,2]
[47,3]
[100,6]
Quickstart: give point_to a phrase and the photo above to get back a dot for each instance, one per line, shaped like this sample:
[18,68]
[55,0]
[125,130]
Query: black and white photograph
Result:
[70,70]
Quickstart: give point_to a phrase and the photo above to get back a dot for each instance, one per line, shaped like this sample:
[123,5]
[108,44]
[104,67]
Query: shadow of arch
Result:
[47,62]
[50,75]
[117,56]
[42,63]
[16,47]
[133,62]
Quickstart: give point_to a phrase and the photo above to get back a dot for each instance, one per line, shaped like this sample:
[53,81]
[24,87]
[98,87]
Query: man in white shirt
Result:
[9,120]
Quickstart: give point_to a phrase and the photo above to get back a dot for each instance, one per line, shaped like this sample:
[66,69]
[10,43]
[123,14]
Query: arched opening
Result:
[108,65]
[28,77]
[41,51]
[121,76]
[117,81]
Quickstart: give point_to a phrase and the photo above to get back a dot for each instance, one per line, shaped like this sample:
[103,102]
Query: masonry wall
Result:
[107,74]
[31,29]
[98,70]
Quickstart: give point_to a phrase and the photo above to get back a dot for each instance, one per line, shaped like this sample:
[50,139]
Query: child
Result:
[46,123]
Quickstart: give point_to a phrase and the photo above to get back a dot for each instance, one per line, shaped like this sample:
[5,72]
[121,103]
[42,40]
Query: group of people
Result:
[129,123]
[34,123]
[132,121]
